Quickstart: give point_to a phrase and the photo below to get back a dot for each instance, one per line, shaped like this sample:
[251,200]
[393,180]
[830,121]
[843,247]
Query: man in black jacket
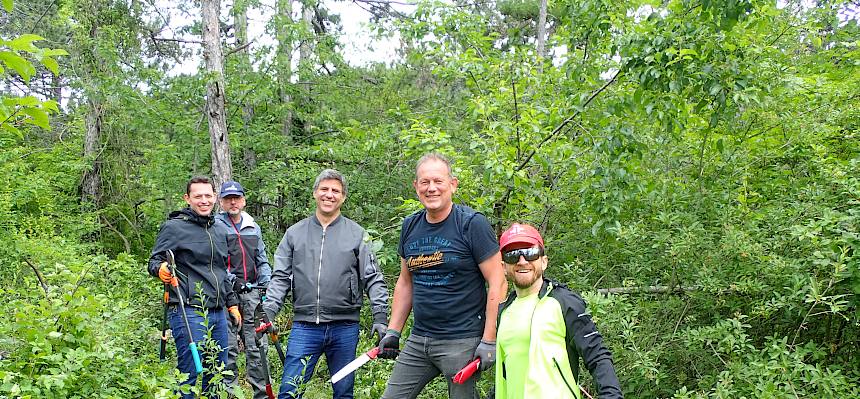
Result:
[200,251]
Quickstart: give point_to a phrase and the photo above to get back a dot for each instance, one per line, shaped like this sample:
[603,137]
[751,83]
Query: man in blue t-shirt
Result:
[448,256]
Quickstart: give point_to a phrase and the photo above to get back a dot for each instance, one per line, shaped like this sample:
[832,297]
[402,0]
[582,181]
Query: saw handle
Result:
[467,371]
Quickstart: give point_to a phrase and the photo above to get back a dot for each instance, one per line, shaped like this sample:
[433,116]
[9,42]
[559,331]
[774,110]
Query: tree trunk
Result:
[306,51]
[222,169]
[284,62]
[240,16]
[541,33]
[91,184]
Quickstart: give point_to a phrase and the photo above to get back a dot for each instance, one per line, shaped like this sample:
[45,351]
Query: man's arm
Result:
[497,287]
[582,333]
[374,283]
[282,278]
[264,270]
[401,305]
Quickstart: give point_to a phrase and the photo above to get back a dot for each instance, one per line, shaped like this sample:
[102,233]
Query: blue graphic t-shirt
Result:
[449,296]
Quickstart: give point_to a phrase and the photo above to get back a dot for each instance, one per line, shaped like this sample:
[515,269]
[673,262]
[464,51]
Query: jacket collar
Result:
[191,216]
[545,289]
[247,220]
[333,222]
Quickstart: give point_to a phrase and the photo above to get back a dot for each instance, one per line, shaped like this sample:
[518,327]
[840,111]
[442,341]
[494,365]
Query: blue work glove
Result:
[389,345]
[486,351]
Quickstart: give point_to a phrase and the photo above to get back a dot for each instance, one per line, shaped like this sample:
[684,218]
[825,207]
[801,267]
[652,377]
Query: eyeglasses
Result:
[513,256]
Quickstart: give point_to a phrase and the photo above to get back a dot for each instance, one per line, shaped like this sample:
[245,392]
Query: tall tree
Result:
[222,169]
[283,27]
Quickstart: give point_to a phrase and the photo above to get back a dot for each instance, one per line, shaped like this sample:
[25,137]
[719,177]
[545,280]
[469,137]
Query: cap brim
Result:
[522,242]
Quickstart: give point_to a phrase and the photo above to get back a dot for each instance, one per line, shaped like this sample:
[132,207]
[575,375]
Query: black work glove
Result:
[379,330]
[486,351]
[241,286]
[389,345]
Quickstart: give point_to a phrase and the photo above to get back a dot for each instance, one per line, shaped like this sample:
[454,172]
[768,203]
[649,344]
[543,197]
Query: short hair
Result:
[199,179]
[434,156]
[330,174]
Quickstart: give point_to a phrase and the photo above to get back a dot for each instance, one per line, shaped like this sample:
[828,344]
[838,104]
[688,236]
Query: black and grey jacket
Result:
[327,271]
[246,252]
[200,250]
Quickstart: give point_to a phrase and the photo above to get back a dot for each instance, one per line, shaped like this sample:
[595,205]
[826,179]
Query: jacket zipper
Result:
[319,274]
[211,258]
[557,367]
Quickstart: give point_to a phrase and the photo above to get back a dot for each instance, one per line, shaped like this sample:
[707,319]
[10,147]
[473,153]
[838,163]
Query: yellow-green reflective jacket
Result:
[562,332]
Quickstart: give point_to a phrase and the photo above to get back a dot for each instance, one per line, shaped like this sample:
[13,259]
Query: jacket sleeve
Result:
[282,278]
[582,336]
[163,241]
[264,270]
[232,299]
[374,283]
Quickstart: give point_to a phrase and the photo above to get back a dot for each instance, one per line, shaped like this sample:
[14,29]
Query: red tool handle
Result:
[263,327]
[467,371]
[373,353]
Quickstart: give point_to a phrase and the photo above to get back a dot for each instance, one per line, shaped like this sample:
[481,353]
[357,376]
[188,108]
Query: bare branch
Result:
[38,276]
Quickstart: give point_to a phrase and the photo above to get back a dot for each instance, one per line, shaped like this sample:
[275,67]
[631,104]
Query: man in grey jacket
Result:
[247,260]
[326,262]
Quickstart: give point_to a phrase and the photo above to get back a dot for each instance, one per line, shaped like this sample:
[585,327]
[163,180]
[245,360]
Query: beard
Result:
[234,212]
[526,280]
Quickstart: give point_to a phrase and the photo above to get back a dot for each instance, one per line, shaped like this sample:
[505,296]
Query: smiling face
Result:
[329,197]
[435,188]
[526,275]
[200,198]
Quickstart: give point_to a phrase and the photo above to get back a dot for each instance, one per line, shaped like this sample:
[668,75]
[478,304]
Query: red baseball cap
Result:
[520,234]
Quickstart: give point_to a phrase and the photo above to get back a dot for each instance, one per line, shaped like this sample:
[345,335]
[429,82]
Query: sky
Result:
[358,44]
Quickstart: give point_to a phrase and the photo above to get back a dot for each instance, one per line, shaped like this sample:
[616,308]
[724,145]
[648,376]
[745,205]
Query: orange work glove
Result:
[165,275]
[237,316]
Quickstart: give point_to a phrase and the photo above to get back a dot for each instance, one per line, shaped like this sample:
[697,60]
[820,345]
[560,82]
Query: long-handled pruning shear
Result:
[198,365]
[266,326]
[162,350]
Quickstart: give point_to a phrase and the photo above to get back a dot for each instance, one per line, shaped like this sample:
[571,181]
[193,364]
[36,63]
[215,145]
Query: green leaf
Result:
[7,4]
[51,64]
[18,63]
[38,117]
[25,42]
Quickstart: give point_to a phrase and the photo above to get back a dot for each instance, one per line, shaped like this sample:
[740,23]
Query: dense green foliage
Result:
[701,159]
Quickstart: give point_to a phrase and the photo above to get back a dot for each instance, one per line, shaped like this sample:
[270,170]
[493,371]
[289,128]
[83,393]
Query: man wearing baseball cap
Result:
[544,329]
[247,260]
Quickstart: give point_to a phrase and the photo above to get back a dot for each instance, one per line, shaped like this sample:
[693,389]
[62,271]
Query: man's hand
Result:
[486,351]
[167,277]
[236,314]
[379,330]
[241,286]
[389,345]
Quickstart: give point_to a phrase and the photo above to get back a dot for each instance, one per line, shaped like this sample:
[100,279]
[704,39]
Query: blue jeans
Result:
[423,359]
[185,362]
[307,342]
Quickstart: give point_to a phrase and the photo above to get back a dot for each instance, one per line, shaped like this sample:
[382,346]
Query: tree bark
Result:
[306,50]
[91,184]
[240,16]
[541,33]
[222,169]
[284,63]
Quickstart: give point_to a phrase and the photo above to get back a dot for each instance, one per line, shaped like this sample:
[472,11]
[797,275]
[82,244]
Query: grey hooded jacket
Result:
[327,271]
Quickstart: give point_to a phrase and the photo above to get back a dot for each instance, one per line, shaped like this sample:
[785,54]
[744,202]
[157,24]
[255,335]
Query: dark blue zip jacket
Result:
[200,250]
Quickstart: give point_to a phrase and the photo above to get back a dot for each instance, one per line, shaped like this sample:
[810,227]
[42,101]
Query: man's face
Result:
[434,186]
[233,204]
[329,196]
[525,274]
[200,198]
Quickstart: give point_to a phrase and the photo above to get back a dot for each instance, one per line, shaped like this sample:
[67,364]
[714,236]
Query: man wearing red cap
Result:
[544,329]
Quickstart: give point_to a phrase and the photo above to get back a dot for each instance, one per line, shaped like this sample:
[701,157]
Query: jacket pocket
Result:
[566,383]
[354,294]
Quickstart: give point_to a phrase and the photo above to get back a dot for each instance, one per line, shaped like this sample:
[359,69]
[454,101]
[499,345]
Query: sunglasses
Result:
[513,256]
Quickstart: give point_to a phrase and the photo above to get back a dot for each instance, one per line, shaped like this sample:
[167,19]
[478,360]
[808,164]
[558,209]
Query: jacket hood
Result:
[191,216]
[247,220]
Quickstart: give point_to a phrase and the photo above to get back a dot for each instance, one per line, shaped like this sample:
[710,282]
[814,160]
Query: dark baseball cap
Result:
[231,187]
